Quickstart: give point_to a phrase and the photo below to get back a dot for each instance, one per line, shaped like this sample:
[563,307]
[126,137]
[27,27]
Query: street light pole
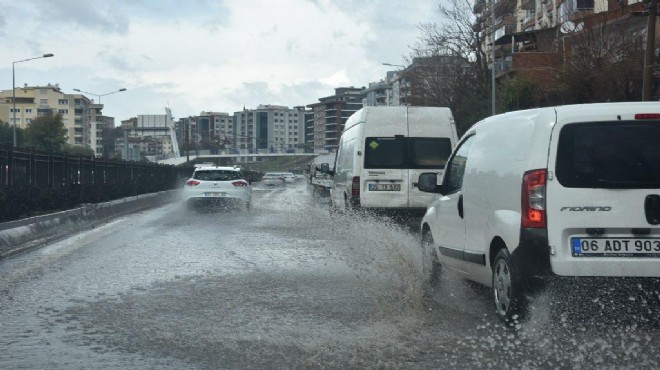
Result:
[647,79]
[13,90]
[100,95]
[86,128]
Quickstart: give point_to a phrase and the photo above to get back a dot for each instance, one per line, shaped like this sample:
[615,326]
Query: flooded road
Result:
[284,286]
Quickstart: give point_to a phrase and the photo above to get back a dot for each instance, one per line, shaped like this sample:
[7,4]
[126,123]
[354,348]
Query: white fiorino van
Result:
[381,153]
[561,191]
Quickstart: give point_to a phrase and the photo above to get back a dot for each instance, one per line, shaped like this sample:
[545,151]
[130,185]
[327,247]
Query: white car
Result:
[289,177]
[570,191]
[217,185]
[273,179]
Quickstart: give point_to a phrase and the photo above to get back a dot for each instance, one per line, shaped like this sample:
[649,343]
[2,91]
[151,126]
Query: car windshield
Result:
[162,204]
[217,175]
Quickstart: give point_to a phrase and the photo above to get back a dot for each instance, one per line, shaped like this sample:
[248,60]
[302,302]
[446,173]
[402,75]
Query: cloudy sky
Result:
[206,55]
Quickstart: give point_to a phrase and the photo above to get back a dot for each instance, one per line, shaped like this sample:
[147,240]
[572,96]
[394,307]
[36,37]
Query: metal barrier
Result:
[33,182]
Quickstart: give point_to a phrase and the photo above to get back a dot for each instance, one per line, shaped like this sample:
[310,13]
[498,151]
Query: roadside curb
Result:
[23,235]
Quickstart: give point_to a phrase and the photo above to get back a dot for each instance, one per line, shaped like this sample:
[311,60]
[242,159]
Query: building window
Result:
[28,110]
[63,102]
[15,110]
[43,101]
[43,91]
[63,111]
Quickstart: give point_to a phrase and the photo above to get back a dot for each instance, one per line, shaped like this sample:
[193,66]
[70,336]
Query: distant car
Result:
[273,179]
[217,185]
[289,177]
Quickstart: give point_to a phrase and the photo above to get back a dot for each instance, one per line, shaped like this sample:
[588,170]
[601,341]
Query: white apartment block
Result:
[269,129]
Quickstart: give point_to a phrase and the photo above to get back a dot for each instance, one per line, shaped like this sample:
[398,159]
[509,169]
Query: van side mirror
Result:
[428,182]
[325,168]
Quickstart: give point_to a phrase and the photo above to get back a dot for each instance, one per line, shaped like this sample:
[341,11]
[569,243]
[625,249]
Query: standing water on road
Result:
[284,285]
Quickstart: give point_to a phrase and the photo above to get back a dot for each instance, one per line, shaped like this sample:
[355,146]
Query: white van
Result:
[383,150]
[562,191]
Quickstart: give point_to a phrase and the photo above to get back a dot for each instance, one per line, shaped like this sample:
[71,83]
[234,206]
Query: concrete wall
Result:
[34,232]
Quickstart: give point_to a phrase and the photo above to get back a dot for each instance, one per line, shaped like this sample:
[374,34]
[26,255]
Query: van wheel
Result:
[507,289]
[430,263]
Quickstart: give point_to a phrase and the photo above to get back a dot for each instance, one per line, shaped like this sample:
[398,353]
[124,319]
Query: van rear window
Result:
[611,155]
[406,152]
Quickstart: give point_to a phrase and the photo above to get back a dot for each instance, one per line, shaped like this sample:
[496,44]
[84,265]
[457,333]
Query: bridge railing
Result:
[33,182]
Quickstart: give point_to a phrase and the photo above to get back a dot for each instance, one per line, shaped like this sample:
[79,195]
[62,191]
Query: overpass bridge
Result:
[243,157]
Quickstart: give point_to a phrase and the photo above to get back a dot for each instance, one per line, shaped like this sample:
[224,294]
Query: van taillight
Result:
[647,116]
[355,188]
[533,199]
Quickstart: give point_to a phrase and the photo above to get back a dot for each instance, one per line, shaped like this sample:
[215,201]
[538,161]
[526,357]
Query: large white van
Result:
[562,191]
[383,150]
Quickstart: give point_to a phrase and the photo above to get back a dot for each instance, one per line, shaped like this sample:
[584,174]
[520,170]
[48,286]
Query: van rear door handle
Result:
[652,209]
[460,206]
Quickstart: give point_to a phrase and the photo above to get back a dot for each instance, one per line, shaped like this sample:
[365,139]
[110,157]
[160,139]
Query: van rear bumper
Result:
[397,212]
[532,256]
[622,267]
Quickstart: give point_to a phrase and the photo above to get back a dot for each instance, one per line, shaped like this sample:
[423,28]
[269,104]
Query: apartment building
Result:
[153,134]
[533,37]
[82,118]
[268,129]
[330,115]
[377,94]
[309,131]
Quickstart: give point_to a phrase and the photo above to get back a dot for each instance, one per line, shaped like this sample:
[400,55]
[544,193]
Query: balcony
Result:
[528,4]
[504,30]
[479,6]
[503,7]
[584,5]
[505,20]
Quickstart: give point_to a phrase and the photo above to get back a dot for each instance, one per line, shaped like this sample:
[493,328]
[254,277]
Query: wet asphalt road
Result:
[285,286]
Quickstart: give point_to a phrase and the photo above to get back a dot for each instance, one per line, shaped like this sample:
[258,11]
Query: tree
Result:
[46,133]
[604,62]
[456,74]
[7,134]
[79,150]
[110,136]
[518,93]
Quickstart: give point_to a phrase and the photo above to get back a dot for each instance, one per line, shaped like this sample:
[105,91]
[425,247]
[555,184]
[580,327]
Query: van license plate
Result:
[384,187]
[615,247]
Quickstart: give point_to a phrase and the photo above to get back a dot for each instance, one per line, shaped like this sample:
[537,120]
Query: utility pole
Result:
[186,134]
[492,54]
[649,52]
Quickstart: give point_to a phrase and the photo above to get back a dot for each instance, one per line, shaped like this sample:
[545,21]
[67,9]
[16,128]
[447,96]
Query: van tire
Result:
[431,268]
[510,302]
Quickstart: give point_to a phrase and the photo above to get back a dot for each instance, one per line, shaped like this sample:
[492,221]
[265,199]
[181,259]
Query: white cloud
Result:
[210,55]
